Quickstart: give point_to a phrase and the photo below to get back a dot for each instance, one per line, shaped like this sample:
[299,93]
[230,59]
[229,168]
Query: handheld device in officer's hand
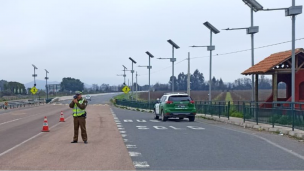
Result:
[75,97]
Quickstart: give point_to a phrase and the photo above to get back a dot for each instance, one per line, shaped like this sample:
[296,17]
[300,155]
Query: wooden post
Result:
[275,86]
[256,112]
[256,87]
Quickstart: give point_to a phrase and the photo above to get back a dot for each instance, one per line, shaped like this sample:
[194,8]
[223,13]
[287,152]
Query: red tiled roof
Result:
[270,62]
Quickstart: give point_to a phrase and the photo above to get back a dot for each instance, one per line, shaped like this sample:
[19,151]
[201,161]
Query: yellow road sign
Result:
[34,90]
[126,89]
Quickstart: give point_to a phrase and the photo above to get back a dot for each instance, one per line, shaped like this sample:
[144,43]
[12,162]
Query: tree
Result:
[175,82]
[181,81]
[197,81]
[71,84]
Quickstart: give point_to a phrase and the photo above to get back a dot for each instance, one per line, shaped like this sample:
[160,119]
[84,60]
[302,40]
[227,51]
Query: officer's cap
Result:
[78,92]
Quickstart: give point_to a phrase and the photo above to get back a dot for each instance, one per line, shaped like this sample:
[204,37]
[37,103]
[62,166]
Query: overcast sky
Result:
[92,39]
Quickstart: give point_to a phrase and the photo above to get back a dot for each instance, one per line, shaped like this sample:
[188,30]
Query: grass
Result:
[229,98]
[122,96]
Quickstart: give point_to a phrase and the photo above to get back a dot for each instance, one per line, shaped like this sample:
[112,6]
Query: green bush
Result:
[236,114]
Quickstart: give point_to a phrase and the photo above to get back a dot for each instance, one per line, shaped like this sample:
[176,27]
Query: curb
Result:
[298,134]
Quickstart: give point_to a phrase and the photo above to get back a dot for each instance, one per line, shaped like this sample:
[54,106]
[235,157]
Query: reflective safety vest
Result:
[77,111]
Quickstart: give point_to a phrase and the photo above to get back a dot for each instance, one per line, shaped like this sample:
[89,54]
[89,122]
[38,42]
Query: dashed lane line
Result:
[141,165]
[18,145]
[134,154]
[131,146]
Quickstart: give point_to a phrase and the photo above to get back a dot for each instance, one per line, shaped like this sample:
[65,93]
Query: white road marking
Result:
[196,127]
[128,121]
[10,121]
[122,132]
[134,154]
[17,119]
[131,146]
[18,145]
[141,164]
[125,140]
[121,128]
[160,127]
[123,135]
[154,120]
[175,128]
[141,120]
[142,127]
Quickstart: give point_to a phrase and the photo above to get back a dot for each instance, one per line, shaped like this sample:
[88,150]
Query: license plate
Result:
[181,106]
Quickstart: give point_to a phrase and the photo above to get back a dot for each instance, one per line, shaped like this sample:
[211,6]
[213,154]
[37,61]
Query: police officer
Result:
[79,114]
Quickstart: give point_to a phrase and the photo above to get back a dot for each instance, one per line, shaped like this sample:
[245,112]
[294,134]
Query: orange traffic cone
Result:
[61,117]
[45,127]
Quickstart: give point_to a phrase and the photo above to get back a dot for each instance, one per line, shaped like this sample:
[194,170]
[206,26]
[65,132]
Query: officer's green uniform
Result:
[79,115]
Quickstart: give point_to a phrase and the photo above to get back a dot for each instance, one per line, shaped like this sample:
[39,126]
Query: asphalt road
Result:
[150,144]
[19,124]
[99,99]
[204,145]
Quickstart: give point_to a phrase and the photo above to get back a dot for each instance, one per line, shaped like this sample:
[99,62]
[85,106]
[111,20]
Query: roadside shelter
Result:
[279,66]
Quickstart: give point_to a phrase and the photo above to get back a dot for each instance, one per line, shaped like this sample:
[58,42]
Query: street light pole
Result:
[210,48]
[46,86]
[252,59]
[173,60]
[149,68]
[34,75]
[132,71]
[210,69]
[293,60]
[124,74]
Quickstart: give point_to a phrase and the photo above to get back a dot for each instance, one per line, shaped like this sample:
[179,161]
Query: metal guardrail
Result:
[19,104]
[285,114]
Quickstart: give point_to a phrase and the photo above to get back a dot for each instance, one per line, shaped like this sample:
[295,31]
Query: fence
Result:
[136,104]
[275,113]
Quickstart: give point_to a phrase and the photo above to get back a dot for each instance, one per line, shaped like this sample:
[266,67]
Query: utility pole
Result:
[188,80]
[136,86]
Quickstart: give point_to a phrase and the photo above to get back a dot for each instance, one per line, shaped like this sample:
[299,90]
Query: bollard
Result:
[244,112]
[228,111]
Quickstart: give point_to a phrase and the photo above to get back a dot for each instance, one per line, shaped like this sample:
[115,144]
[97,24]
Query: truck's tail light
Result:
[169,102]
[192,102]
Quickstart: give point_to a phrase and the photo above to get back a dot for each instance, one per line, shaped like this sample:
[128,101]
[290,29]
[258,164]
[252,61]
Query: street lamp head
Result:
[254,5]
[34,66]
[211,27]
[132,60]
[173,44]
[124,67]
[150,55]
[46,71]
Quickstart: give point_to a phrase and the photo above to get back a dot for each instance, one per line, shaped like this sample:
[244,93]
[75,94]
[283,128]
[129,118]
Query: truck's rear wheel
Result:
[164,119]
[191,118]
